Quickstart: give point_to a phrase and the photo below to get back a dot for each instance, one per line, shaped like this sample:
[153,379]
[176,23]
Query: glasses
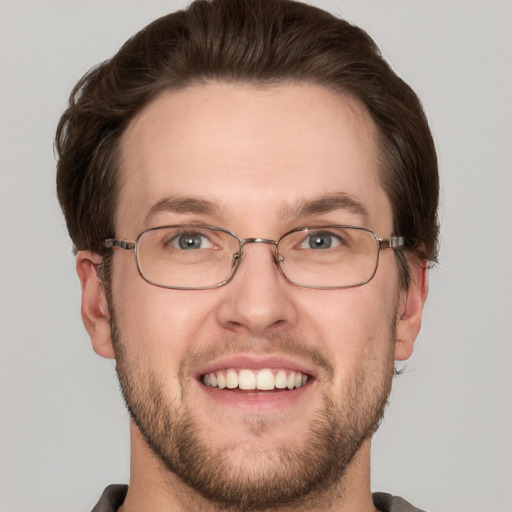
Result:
[192,257]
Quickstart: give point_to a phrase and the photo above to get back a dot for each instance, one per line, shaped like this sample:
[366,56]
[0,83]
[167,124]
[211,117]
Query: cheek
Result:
[355,325]
[157,325]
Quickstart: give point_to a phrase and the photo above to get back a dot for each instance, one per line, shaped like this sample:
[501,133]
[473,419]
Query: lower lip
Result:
[255,400]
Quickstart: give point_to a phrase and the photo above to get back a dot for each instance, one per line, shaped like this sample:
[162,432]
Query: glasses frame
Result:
[393,242]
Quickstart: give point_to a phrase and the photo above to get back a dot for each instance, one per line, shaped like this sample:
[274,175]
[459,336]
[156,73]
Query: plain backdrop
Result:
[445,443]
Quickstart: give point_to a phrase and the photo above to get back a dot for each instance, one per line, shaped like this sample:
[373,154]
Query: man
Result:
[252,195]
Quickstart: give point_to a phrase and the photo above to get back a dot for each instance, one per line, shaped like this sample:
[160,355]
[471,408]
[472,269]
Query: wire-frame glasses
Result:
[196,257]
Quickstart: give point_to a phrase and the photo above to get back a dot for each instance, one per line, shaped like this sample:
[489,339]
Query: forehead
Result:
[248,152]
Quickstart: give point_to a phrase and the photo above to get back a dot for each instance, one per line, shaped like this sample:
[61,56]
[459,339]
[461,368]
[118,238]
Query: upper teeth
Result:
[264,380]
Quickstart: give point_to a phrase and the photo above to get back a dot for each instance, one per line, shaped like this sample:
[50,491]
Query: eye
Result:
[190,241]
[321,241]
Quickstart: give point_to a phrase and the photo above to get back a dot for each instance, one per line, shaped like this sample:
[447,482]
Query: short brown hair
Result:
[255,41]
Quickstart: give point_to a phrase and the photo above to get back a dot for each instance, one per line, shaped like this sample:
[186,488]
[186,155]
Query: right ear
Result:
[94,304]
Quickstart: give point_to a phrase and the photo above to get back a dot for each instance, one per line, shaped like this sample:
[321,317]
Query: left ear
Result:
[411,309]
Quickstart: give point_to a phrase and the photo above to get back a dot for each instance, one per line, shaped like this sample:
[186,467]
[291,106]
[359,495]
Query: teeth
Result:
[263,380]
[281,379]
[221,380]
[246,380]
[290,383]
[231,379]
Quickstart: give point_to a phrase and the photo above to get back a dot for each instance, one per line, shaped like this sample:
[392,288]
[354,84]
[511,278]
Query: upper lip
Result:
[253,362]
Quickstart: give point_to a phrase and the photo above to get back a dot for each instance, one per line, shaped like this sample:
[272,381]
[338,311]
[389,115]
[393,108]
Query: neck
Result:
[153,488]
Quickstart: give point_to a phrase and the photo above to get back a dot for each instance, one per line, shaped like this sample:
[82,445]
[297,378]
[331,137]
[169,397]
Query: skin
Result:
[253,152]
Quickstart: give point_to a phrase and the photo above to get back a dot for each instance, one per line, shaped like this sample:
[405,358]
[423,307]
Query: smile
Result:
[265,379]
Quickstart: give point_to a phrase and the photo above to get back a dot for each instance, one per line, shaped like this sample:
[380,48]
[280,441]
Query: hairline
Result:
[351,99]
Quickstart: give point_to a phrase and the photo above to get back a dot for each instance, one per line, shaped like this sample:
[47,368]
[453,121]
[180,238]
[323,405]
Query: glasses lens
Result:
[330,257]
[186,256]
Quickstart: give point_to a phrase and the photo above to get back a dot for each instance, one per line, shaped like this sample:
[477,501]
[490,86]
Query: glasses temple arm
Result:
[391,242]
[122,244]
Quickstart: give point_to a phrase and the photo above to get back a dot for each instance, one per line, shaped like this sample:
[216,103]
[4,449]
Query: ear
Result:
[411,310]
[94,304]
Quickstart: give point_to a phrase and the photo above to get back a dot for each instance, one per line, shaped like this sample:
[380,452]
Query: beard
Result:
[264,479]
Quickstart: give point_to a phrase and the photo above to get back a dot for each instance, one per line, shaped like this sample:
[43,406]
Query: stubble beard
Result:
[266,480]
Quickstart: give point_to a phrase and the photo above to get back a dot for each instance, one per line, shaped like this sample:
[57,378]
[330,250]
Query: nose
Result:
[259,298]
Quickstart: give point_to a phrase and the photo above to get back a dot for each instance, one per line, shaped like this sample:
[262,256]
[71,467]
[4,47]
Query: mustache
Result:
[282,344]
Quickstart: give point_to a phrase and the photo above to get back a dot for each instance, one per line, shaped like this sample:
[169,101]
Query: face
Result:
[258,162]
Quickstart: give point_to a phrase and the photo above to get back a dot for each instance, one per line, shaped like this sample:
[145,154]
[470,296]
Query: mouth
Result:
[247,379]
[256,383]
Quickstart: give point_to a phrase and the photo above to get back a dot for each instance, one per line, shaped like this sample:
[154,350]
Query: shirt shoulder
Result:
[114,495]
[111,499]
[387,503]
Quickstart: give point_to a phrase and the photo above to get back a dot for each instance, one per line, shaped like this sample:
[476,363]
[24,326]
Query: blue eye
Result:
[321,240]
[190,241]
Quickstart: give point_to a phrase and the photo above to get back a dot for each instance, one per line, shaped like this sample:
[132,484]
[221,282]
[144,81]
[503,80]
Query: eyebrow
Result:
[182,205]
[301,208]
[326,204]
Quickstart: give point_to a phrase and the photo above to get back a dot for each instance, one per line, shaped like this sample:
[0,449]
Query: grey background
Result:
[446,441]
